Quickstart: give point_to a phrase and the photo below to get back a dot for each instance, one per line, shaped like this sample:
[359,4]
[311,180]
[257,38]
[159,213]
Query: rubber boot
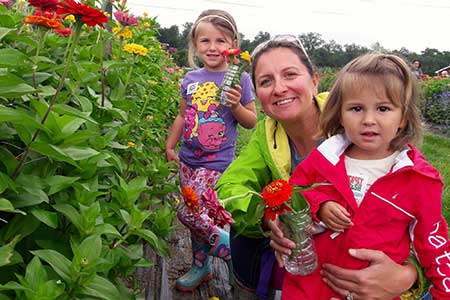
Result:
[200,270]
[221,248]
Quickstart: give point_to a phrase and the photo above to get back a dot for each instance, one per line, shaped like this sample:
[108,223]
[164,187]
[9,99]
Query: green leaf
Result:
[79,153]
[52,152]
[91,248]
[106,229]
[7,251]
[20,226]
[38,77]
[59,262]
[12,285]
[5,182]
[17,116]
[12,57]
[71,111]
[58,183]
[35,274]
[101,288]
[5,205]
[136,187]
[46,217]
[70,212]
[153,241]
[4,31]
[16,90]
[30,196]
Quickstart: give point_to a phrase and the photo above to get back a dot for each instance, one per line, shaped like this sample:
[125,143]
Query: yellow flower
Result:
[145,14]
[152,82]
[149,118]
[246,56]
[131,144]
[214,298]
[70,18]
[135,49]
[125,33]
[146,24]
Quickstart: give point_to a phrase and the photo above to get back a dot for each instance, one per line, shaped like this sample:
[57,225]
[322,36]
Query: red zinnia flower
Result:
[190,198]
[44,22]
[231,52]
[90,16]
[275,195]
[45,5]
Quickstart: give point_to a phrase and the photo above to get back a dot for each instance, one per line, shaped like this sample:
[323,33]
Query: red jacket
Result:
[401,207]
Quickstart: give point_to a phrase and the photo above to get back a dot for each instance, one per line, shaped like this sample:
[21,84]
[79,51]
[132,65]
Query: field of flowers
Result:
[83,116]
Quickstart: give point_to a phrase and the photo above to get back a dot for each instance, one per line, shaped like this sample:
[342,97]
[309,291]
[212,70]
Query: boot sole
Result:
[191,288]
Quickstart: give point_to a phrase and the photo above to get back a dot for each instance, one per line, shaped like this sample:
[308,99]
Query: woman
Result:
[286,85]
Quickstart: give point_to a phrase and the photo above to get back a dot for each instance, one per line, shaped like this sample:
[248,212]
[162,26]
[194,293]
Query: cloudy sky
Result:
[414,24]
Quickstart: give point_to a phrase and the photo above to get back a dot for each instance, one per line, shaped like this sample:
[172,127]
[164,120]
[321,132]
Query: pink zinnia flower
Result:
[173,49]
[6,3]
[126,19]
[63,32]
[166,78]
[169,70]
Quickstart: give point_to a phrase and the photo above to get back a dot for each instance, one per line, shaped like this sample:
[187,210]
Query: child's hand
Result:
[171,155]
[334,216]
[234,96]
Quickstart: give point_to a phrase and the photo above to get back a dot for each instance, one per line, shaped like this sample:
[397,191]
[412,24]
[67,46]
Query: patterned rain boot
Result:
[200,271]
[221,248]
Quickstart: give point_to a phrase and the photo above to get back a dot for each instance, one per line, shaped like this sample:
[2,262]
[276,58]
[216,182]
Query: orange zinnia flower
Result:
[275,196]
[190,198]
[44,22]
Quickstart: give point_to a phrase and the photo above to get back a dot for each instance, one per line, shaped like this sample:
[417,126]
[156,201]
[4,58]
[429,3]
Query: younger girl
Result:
[209,132]
[382,193]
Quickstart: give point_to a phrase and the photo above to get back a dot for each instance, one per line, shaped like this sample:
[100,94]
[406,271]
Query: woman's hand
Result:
[278,242]
[382,279]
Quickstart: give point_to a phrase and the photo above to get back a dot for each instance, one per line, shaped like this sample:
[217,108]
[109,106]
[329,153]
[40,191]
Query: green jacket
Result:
[267,157]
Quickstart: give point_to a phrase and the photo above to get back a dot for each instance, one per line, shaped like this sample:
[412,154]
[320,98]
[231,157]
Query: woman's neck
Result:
[303,133]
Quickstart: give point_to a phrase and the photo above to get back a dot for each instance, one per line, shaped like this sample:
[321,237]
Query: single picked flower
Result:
[231,54]
[216,212]
[246,56]
[276,195]
[190,198]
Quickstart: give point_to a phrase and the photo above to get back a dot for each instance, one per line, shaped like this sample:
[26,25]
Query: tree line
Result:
[323,53]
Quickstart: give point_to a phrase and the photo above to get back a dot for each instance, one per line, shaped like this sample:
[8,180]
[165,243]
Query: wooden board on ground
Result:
[159,280]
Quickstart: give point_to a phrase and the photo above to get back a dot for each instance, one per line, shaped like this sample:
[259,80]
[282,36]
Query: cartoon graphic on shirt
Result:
[211,131]
[202,121]
[205,96]
[190,123]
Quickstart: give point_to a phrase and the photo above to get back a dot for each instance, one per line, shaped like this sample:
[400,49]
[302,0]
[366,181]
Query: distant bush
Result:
[436,101]
[327,78]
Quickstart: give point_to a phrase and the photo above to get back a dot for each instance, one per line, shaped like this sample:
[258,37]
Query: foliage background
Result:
[93,186]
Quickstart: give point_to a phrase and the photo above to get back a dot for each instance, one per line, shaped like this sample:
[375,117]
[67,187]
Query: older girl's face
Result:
[284,86]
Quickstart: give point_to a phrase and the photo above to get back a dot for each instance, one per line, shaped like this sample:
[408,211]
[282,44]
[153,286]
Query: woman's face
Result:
[284,86]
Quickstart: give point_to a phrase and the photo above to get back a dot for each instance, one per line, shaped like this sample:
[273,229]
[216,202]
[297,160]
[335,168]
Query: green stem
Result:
[75,38]
[227,200]
[127,79]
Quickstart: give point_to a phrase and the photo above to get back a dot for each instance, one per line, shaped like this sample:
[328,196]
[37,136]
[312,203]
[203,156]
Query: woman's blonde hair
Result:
[386,75]
[220,19]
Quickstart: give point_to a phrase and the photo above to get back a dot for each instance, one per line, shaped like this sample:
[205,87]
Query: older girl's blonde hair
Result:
[220,19]
[385,75]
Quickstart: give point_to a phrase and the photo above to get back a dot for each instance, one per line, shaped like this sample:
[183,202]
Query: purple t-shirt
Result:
[210,129]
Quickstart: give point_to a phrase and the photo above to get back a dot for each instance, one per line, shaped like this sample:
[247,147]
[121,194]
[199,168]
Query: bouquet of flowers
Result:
[234,72]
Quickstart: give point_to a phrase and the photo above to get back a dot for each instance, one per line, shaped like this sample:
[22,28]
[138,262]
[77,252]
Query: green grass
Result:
[436,150]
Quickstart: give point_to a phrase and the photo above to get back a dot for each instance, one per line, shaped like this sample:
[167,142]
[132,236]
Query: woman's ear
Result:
[315,79]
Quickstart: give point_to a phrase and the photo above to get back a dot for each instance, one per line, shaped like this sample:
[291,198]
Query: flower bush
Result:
[83,175]
[435,105]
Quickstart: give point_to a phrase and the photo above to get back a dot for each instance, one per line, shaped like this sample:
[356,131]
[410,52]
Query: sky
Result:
[413,24]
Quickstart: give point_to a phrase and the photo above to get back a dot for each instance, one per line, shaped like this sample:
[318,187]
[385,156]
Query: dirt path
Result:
[160,279]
